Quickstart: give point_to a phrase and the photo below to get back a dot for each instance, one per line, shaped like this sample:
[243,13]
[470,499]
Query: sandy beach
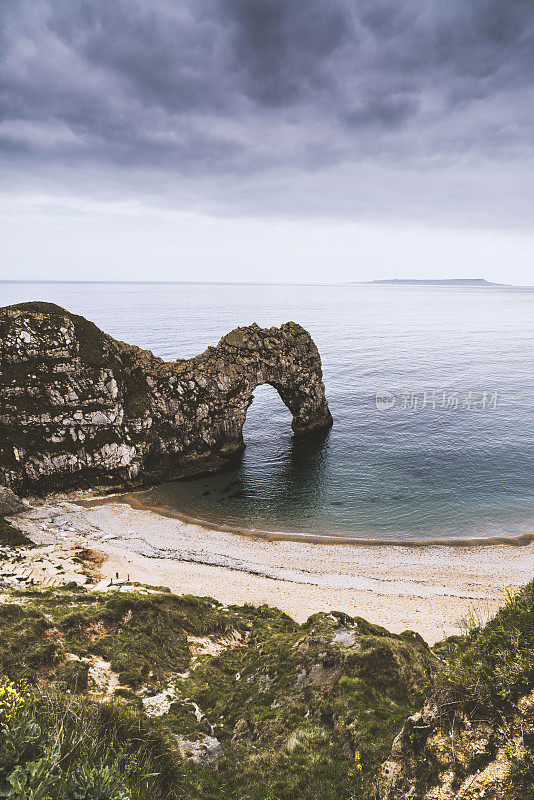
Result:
[429,589]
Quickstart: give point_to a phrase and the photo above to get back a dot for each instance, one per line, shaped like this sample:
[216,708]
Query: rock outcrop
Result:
[9,503]
[463,760]
[474,737]
[78,407]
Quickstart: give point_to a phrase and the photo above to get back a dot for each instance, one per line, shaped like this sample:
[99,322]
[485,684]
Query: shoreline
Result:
[427,589]
[129,498]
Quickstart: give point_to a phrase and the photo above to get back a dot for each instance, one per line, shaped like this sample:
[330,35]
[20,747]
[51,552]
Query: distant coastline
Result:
[436,282]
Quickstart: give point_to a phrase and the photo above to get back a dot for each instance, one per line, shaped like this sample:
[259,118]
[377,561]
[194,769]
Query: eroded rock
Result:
[79,408]
[461,760]
[9,503]
[204,751]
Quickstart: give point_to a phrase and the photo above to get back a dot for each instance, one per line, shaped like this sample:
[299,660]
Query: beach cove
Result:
[434,590]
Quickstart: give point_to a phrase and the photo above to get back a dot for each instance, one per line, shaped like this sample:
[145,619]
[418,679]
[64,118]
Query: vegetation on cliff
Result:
[238,702]
[11,536]
[56,746]
[475,735]
[139,693]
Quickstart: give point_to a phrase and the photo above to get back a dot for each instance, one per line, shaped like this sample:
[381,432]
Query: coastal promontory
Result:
[79,408]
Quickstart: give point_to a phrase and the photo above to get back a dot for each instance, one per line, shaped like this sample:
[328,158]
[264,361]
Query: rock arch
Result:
[78,407]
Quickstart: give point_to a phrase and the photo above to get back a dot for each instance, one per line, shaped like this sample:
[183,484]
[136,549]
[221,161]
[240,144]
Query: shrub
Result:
[10,536]
[491,667]
[59,747]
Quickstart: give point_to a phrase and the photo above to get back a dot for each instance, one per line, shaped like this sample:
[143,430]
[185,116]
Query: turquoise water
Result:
[404,472]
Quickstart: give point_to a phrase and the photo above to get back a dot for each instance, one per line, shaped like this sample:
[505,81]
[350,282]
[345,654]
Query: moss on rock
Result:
[475,735]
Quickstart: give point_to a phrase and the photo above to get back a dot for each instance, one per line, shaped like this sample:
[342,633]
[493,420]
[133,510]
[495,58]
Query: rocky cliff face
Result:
[464,759]
[474,737]
[78,407]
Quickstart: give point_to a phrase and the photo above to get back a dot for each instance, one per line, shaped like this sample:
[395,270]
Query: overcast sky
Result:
[293,140]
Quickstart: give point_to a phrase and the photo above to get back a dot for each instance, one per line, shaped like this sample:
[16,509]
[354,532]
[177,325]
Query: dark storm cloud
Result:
[240,88]
[280,49]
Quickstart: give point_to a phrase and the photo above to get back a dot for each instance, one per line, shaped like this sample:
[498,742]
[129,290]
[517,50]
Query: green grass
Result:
[61,747]
[143,637]
[299,715]
[492,666]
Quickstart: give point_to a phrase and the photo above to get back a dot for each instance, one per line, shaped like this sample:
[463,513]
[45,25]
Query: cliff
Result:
[78,407]
[474,737]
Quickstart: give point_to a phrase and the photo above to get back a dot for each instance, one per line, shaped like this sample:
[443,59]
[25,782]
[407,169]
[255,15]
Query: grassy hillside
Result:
[182,697]
[138,694]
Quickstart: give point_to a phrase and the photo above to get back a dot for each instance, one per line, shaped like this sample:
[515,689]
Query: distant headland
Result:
[437,282]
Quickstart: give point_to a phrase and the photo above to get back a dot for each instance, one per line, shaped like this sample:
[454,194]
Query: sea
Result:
[430,388]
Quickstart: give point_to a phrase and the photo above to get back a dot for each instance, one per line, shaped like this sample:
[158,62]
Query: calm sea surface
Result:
[422,468]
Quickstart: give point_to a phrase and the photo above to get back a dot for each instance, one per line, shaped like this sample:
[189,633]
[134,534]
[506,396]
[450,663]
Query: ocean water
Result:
[449,452]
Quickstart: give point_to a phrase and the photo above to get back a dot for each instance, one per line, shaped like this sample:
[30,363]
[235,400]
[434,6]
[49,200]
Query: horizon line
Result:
[380,282]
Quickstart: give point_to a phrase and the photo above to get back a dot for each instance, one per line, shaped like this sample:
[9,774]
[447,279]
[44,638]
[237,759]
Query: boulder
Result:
[9,502]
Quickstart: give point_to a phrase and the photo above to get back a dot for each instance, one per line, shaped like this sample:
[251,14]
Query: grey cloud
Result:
[282,49]
[239,88]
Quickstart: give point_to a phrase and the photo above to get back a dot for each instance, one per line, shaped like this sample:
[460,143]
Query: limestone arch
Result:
[89,409]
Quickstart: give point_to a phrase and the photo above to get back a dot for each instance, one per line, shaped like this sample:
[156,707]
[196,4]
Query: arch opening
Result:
[267,417]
